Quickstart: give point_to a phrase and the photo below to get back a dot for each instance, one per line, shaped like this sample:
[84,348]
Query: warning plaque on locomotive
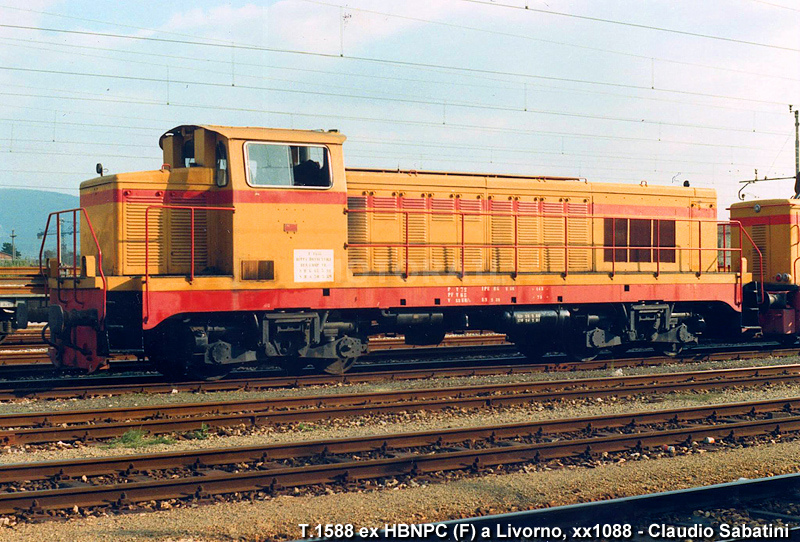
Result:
[313,265]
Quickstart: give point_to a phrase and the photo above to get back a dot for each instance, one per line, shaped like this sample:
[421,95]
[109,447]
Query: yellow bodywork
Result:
[262,230]
[773,227]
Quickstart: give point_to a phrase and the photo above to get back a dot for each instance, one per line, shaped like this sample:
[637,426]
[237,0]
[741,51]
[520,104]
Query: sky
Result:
[660,91]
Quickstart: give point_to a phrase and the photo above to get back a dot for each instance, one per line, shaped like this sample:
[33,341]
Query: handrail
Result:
[74,268]
[742,231]
[461,214]
[190,208]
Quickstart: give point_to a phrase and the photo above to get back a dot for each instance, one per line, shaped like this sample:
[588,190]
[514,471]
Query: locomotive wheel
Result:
[671,350]
[208,372]
[334,366]
[534,352]
[578,352]
[620,350]
[173,367]
[293,366]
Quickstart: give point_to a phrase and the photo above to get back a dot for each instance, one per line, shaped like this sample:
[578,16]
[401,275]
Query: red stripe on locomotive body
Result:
[223,197]
[267,195]
[329,197]
[168,303]
[774,220]
[650,211]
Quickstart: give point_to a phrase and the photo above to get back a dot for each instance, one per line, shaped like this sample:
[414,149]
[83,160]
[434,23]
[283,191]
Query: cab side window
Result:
[287,165]
[221,171]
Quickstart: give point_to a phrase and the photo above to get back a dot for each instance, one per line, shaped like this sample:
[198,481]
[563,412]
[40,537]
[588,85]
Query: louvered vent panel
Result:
[553,235]
[579,234]
[759,235]
[471,209]
[502,233]
[530,233]
[134,236]
[385,208]
[417,230]
[443,231]
[385,228]
[180,236]
[474,234]
[443,209]
[357,233]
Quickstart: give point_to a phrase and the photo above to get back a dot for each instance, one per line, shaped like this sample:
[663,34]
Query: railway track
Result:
[32,337]
[25,337]
[28,351]
[197,474]
[87,386]
[763,502]
[72,425]
[23,282]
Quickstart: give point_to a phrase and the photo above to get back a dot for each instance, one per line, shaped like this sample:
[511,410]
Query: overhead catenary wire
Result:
[427,21]
[431,124]
[634,25]
[450,84]
[351,96]
[457,69]
[773,4]
[354,127]
[554,42]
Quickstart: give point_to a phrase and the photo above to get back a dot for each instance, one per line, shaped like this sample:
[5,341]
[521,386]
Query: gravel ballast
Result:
[278,518]
[144,399]
[405,422]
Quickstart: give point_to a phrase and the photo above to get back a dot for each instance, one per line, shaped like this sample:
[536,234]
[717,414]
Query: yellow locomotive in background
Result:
[253,244]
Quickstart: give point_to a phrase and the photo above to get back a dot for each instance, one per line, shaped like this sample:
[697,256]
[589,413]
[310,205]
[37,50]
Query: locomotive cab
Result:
[233,216]
[773,252]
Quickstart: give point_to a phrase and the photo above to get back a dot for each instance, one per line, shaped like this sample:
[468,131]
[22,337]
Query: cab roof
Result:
[261,134]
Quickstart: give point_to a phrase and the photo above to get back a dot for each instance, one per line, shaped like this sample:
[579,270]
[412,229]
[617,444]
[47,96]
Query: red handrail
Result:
[742,232]
[147,244]
[74,250]
[406,245]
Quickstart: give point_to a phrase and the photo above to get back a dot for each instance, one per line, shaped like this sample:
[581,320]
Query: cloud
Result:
[313,25]
[245,24]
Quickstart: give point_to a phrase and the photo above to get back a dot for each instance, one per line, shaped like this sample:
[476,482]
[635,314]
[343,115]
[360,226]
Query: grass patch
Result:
[697,397]
[198,434]
[137,438]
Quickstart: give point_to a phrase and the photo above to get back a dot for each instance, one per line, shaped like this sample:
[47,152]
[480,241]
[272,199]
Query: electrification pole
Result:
[13,247]
[796,153]
[796,175]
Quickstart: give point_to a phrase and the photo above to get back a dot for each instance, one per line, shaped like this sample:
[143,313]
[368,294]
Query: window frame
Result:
[629,253]
[285,144]
[217,170]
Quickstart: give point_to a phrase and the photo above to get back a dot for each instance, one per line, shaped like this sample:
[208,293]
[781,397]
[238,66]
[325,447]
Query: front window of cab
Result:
[276,165]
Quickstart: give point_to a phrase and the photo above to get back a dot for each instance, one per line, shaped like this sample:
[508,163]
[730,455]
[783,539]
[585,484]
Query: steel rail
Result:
[106,423]
[676,507]
[55,389]
[552,388]
[360,372]
[75,468]
[207,482]
[104,385]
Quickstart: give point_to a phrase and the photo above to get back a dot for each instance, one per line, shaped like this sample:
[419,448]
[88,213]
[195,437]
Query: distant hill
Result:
[25,211]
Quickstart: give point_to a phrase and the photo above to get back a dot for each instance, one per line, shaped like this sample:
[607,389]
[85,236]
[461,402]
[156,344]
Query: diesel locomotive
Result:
[254,244]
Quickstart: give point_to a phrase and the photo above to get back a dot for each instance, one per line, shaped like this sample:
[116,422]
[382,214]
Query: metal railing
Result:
[74,270]
[462,247]
[189,208]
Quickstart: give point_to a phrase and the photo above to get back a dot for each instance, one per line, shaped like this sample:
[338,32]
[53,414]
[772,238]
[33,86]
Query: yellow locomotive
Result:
[254,244]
